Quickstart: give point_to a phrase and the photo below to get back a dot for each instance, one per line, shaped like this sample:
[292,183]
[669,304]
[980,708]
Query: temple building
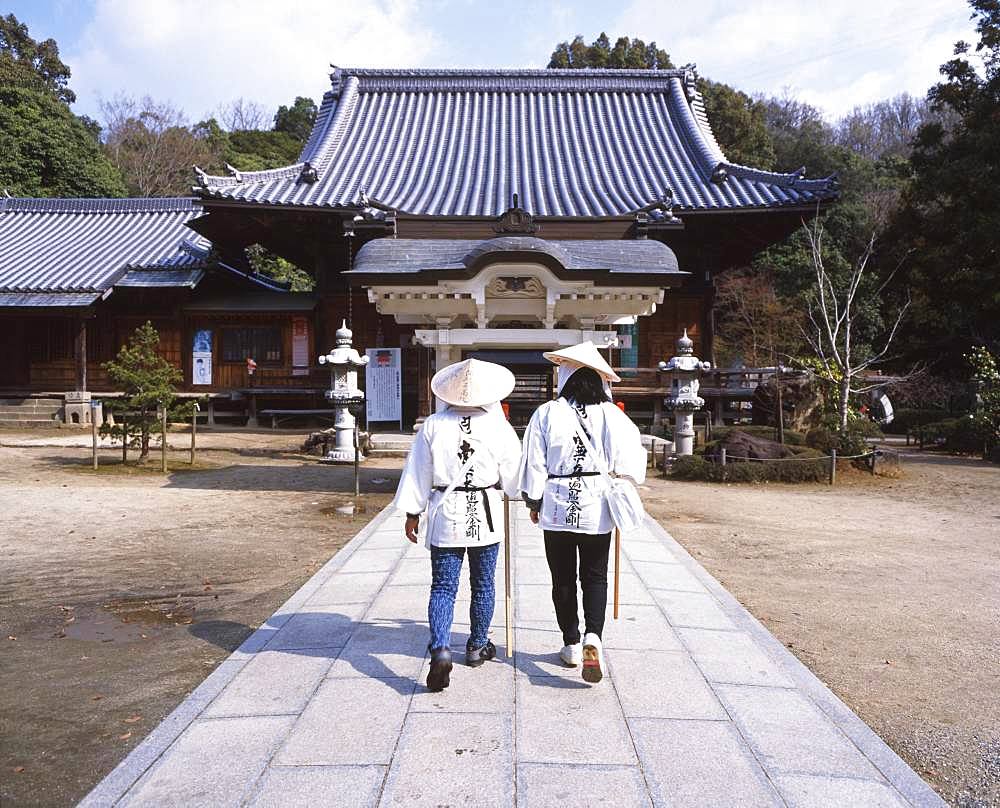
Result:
[449,213]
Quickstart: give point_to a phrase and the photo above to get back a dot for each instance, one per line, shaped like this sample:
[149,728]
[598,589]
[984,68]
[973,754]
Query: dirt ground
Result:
[888,590]
[120,591]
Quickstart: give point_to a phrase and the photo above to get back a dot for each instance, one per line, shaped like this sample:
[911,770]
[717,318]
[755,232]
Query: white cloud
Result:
[835,55]
[199,54]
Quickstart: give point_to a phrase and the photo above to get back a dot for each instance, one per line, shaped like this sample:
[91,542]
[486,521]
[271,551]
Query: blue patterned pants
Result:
[446,566]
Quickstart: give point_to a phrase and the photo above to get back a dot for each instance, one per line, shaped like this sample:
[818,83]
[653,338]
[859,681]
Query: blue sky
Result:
[200,53]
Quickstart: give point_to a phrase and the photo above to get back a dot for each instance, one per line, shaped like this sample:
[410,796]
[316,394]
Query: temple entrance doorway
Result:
[534,380]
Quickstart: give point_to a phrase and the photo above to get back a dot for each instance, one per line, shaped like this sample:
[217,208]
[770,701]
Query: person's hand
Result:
[534,517]
[412,523]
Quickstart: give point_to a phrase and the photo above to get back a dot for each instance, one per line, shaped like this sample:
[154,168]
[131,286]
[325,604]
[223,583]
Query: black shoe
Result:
[474,657]
[439,677]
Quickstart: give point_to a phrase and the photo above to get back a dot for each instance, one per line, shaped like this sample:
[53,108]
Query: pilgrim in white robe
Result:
[472,514]
[554,456]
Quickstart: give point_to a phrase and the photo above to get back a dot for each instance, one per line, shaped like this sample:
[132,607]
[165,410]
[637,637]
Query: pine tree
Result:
[149,382]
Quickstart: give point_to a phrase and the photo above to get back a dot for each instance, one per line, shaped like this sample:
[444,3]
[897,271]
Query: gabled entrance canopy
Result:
[515,281]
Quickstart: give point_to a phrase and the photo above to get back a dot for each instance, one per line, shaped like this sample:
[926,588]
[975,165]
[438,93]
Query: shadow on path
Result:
[364,645]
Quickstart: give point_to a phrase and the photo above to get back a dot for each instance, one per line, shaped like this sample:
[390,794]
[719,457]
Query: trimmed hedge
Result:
[961,434]
[812,470]
[907,420]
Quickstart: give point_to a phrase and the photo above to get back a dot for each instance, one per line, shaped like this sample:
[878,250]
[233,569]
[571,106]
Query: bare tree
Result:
[833,314]
[884,128]
[242,115]
[754,323]
[152,145]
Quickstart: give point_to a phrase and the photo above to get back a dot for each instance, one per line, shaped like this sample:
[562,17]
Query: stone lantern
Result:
[344,394]
[683,396]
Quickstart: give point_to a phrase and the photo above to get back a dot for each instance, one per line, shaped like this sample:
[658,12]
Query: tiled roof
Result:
[157,278]
[58,300]
[577,143]
[402,256]
[58,246]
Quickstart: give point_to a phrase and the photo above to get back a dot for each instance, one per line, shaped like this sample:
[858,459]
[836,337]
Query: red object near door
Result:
[620,405]
[506,409]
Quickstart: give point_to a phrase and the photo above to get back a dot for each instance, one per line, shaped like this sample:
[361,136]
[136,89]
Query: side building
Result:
[77,276]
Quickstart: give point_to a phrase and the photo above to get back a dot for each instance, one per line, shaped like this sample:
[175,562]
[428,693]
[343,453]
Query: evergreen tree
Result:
[297,120]
[951,213]
[27,63]
[45,150]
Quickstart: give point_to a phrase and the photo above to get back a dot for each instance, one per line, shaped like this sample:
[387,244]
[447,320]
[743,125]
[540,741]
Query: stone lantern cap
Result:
[343,353]
[685,361]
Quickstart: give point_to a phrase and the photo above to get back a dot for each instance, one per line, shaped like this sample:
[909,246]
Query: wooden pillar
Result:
[423,382]
[709,320]
[80,354]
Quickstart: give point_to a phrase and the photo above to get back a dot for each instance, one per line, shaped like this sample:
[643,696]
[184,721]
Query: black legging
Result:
[561,548]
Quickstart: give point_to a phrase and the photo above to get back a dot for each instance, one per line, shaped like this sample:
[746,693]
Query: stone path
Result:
[324,704]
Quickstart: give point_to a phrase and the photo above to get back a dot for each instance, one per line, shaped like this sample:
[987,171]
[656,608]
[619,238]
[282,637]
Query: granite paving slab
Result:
[565,720]
[326,703]
[310,786]
[461,759]
[348,722]
[543,785]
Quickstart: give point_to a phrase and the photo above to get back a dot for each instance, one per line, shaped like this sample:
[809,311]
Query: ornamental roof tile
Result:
[571,143]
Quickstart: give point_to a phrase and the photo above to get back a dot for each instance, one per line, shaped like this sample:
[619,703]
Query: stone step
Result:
[390,452]
[31,402]
[33,410]
[28,422]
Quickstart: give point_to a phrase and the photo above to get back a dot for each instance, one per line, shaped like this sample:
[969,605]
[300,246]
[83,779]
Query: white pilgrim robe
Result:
[551,447]
[439,452]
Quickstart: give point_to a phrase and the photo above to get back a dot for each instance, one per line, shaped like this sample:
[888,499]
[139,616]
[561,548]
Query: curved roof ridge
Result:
[316,155]
[502,72]
[99,204]
[499,80]
[696,127]
[329,136]
[790,179]
[206,180]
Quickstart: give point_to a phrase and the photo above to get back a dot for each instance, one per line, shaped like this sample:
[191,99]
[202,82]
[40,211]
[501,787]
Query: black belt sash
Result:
[575,474]
[486,499]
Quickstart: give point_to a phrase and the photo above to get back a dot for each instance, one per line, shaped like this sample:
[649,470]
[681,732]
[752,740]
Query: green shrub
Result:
[813,469]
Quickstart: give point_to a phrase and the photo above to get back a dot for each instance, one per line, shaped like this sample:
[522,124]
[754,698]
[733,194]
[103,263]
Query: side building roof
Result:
[570,143]
[73,252]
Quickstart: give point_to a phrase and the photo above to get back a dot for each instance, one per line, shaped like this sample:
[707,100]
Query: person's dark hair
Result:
[584,387]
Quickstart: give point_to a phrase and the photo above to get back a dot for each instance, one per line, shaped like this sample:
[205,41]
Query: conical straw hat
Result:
[472,383]
[584,355]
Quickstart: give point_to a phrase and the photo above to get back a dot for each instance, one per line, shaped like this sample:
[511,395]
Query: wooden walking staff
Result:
[508,604]
[618,564]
